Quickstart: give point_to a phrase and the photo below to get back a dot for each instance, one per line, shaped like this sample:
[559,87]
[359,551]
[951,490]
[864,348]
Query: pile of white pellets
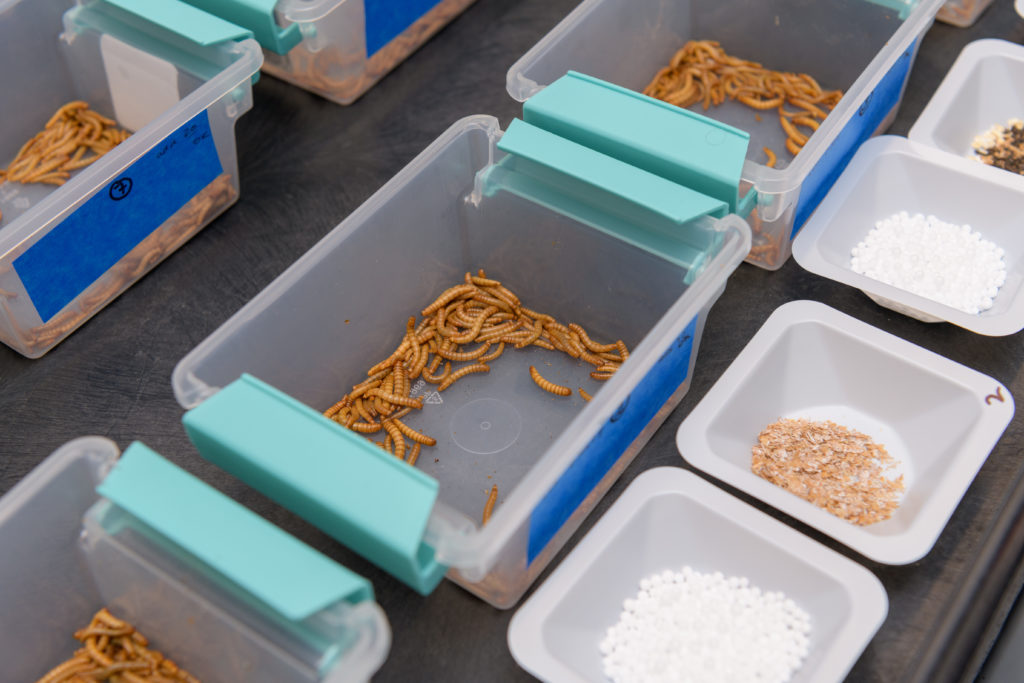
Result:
[689,626]
[941,261]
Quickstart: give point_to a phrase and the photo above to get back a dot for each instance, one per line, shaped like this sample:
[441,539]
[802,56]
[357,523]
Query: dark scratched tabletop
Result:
[306,163]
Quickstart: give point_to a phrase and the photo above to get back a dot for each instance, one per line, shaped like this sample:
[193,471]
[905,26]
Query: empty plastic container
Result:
[69,552]
[667,519]
[962,13]
[938,419]
[337,48]
[177,83]
[891,174]
[864,48]
[342,307]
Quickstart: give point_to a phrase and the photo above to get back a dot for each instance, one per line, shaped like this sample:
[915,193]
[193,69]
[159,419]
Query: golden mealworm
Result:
[547,386]
[447,296]
[396,436]
[397,400]
[584,395]
[333,410]
[462,372]
[771,157]
[489,505]
[465,355]
[607,367]
[588,342]
[437,379]
[792,147]
[792,131]
[623,351]
[415,454]
[493,354]
[601,376]
[365,427]
[416,436]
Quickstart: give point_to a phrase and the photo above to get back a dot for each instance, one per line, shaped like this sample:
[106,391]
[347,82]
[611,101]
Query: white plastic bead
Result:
[686,625]
[941,261]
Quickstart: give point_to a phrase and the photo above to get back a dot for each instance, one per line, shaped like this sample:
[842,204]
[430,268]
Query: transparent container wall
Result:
[183,609]
[75,61]
[334,59]
[962,13]
[627,42]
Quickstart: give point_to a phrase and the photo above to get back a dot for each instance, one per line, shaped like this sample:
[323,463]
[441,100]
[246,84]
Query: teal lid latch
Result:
[258,17]
[333,478]
[626,164]
[232,544]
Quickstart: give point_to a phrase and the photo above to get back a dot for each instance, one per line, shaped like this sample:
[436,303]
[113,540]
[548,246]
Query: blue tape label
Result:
[610,442]
[387,19]
[86,244]
[859,128]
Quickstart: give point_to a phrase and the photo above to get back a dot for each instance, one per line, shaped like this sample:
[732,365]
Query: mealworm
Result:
[771,157]
[416,436]
[607,367]
[415,454]
[493,354]
[447,296]
[623,351]
[336,407]
[588,342]
[482,281]
[466,355]
[792,146]
[462,372]
[489,505]
[601,375]
[365,427]
[397,400]
[792,131]
[396,436]
[547,386]
[586,397]
[437,379]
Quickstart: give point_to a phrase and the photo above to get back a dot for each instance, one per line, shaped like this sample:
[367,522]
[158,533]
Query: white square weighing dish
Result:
[981,89]
[892,174]
[938,418]
[668,518]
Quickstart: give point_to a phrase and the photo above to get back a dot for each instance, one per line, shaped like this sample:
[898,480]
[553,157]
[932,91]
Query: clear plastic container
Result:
[347,47]
[861,47]
[962,13]
[116,219]
[314,331]
[59,569]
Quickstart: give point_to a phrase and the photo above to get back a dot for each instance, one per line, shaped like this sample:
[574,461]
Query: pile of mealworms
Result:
[702,72]
[479,311]
[174,232]
[114,651]
[71,134]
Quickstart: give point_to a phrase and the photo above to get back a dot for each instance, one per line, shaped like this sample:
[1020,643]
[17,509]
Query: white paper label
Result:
[141,86]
